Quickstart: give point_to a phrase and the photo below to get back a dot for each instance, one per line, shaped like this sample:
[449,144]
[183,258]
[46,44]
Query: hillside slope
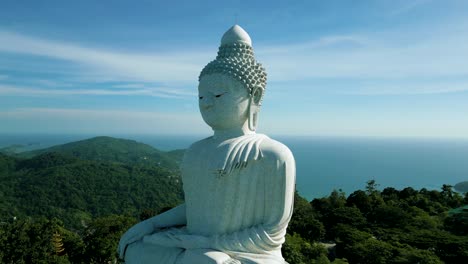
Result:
[462,187]
[87,179]
[114,150]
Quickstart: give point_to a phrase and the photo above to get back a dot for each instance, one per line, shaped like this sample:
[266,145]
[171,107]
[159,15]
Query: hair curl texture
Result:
[237,61]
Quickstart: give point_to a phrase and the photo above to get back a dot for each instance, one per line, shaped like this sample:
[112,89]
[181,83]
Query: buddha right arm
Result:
[174,217]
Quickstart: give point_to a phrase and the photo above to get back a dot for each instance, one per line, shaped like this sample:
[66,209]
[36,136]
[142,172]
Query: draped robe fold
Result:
[239,198]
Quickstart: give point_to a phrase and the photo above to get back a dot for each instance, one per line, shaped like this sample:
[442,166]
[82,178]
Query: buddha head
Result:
[232,86]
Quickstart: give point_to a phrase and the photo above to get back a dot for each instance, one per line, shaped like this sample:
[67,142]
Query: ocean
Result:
[327,163]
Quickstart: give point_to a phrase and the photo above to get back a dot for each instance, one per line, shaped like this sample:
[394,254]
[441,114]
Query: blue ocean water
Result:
[325,163]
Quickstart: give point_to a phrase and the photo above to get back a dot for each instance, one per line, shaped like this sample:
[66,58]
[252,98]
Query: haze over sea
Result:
[326,163]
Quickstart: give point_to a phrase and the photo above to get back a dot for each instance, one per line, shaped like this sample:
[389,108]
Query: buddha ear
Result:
[257,95]
[254,107]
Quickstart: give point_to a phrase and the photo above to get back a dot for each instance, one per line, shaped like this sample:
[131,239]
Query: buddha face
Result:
[223,102]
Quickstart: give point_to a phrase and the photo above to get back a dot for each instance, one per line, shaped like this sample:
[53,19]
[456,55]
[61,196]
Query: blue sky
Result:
[335,68]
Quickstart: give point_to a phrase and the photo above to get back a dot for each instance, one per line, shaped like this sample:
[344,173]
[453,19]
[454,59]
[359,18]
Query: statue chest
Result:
[205,166]
[218,199]
[214,162]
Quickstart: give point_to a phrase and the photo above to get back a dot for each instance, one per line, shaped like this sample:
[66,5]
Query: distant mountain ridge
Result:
[114,150]
[12,149]
[461,187]
[89,178]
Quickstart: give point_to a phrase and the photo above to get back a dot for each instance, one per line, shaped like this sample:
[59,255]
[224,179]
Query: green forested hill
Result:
[12,149]
[462,186]
[71,203]
[176,155]
[114,150]
[83,180]
[7,164]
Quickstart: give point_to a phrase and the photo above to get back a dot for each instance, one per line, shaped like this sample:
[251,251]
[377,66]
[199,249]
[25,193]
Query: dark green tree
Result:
[27,241]
[369,251]
[102,237]
[361,200]
[304,222]
[297,250]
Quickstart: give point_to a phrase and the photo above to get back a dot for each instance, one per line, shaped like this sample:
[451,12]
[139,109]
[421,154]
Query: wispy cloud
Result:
[167,67]
[3,77]
[407,6]
[129,85]
[369,57]
[51,83]
[156,92]
[103,121]
[91,113]
[324,42]
[340,56]
[405,89]
[380,55]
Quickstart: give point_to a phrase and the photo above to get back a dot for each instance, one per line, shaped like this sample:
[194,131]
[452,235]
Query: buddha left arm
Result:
[268,235]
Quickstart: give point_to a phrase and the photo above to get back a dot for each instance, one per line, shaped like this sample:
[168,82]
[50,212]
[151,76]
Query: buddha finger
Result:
[229,153]
[246,155]
[233,156]
[243,153]
[258,152]
[229,157]
[253,145]
[244,164]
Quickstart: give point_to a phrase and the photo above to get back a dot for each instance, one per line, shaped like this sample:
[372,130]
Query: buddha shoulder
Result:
[275,150]
[245,148]
[198,148]
[201,144]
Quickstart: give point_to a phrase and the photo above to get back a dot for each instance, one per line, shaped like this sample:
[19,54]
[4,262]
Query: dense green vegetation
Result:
[12,149]
[388,226]
[45,241]
[75,186]
[71,204]
[114,150]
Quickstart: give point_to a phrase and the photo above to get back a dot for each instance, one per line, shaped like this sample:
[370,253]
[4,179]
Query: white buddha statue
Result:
[238,185]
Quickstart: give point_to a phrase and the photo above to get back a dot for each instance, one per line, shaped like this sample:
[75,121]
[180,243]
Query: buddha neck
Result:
[223,134]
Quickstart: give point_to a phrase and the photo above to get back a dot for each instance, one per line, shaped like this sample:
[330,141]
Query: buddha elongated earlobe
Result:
[254,107]
[253,116]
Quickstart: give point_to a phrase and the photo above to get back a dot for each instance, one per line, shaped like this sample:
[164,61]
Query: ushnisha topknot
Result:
[236,59]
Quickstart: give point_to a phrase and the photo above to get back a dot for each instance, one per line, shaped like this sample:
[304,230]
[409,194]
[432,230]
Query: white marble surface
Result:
[236,34]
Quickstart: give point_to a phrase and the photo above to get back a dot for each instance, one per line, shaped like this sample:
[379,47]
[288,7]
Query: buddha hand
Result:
[195,241]
[135,233]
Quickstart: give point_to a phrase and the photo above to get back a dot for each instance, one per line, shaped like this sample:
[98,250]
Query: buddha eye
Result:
[200,97]
[219,95]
